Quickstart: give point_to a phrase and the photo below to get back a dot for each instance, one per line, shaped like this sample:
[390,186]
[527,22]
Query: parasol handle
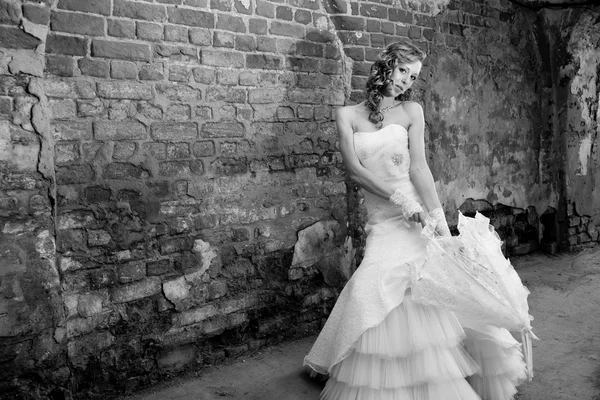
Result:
[526,336]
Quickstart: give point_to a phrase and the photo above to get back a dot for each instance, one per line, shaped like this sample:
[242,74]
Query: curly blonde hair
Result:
[401,52]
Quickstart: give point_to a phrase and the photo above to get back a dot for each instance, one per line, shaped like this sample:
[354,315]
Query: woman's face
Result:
[402,78]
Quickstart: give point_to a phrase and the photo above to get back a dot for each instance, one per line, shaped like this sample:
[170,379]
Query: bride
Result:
[377,343]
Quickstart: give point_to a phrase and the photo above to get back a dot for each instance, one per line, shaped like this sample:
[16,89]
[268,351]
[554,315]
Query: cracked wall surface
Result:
[172,194]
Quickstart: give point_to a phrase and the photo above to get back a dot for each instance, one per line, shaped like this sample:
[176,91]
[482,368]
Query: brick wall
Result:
[172,194]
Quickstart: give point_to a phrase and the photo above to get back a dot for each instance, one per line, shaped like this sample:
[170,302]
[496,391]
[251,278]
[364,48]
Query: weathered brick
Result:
[199,36]
[176,33]
[243,7]
[227,94]
[74,174]
[66,152]
[99,237]
[414,32]
[331,67]
[123,70]
[205,148]
[194,316]
[310,4]
[228,77]
[303,16]
[285,29]
[223,129]
[265,96]
[121,50]
[178,112]
[311,49]
[123,150]
[267,44]
[124,90]
[223,39]
[245,43]
[222,5]
[190,17]
[264,61]
[69,45]
[121,28]
[174,168]
[218,58]
[135,291]
[179,73]
[231,23]
[265,9]
[123,171]
[63,109]
[374,11]
[36,13]
[303,64]
[174,132]
[71,130]
[14,38]
[58,65]
[176,52]
[94,7]
[203,112]
[107,130]
[180,93]
[131,272]
[93,67]
[137,10]
[151,72]
[284,13]
[399,15]
[83,24]
[6,105]
[258,26]
[156,150]
[348,23]
[149,31]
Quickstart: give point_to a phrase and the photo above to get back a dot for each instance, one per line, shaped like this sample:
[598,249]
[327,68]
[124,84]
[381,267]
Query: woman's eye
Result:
[414,78]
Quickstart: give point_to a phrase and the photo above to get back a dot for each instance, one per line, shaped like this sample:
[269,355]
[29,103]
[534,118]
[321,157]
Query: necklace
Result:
[386,109]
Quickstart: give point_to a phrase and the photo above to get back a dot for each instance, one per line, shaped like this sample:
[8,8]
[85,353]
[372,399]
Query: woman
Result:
[377,343]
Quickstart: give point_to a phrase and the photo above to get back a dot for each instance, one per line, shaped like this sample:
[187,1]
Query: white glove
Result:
[408,206]
[438,222]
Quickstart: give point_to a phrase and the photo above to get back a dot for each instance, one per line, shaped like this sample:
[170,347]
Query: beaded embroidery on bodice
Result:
[384,152]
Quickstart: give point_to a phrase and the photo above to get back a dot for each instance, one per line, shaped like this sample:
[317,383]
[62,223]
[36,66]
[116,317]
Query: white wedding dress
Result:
[377,343]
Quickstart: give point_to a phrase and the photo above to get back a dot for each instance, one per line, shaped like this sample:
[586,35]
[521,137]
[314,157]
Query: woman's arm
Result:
[357,173]
[420,174]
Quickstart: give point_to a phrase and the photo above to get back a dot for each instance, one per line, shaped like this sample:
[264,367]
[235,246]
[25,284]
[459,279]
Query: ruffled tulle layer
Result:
[414,354]
[501,369]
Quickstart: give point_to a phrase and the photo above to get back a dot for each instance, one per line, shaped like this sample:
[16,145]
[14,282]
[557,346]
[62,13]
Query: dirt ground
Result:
[565,301]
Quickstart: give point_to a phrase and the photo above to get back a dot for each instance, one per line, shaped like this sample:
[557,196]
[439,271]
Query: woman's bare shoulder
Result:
[412,107]
[349,111]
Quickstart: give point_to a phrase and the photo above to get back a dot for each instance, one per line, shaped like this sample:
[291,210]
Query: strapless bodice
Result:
[386,154]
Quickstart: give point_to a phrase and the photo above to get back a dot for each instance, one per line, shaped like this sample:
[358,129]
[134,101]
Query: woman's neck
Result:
[387,102]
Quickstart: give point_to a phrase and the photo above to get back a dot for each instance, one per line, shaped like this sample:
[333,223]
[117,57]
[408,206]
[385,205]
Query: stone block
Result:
[98,237]
[137,10]
[195,18]
[66,152]
[151,72]
[265,96]
[83,24]
[178,151]
[138,290]
[12,37]
[223,130]
[123,70]
[125,90]
[71,130]
[178,132]
[176,33]
[223,39]
[284,13]
[220,58]
[258,26]
[175,245]
[155,150]
[179,73]
[121,50]
[178,112]
[38,14]
[57,65]
[94,7]
[205,148]
[231,23]
[63,109]
[226,94]
[179,93]
[121,28]
[131,272]
[93,67]
[174,168]
[124,171]
[200,37]
[90,108]
[149,31]
[265,9]
[10,12]
[310,49]
[108,130]
[265,61]
[222,5]
[123,151]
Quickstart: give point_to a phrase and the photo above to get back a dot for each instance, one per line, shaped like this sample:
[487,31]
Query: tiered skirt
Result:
[417,353]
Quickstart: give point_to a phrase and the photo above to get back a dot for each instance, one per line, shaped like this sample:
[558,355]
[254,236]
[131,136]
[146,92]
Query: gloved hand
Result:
[407,205]
[438,221]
